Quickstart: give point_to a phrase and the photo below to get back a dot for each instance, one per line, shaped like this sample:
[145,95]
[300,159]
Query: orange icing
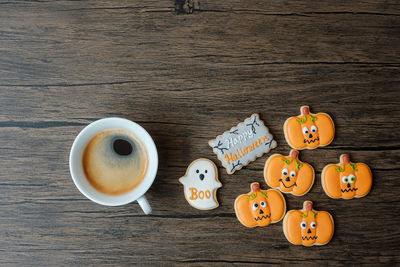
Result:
[308,227]
[308,130]
[297,177]
[260,207]
[346,180]
[241,152]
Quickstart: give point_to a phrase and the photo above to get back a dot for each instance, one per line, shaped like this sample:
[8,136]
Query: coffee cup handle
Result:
[144,204]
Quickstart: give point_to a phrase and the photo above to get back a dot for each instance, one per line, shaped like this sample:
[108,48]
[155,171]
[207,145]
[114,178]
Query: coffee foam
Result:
[109,172]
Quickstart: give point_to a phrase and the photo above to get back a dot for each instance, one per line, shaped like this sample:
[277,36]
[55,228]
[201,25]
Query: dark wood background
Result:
[187,71]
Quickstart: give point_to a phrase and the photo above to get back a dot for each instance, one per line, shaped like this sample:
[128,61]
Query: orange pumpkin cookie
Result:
[346,180]
[308,227]
[260,207]
[308,130]
[289,174]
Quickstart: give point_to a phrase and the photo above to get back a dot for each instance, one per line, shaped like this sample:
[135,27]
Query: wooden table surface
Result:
[187,71]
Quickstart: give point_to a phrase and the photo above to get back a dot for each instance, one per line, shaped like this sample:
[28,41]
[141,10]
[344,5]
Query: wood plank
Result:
[61,43]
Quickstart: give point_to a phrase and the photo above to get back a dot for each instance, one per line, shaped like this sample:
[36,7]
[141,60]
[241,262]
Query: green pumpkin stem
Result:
[302,120]
[287,161]
[338,169]
[313,118]
[264,194]
[252,196]
[353,166]
[298,165]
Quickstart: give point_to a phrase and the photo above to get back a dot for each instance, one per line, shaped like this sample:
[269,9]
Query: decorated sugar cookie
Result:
[346,179]
[308,227]
[200,184]
[243,143]
[260,207]
[308,130]
[289,174]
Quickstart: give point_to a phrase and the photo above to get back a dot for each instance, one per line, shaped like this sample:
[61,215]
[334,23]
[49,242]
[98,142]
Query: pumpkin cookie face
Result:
[308,227]
[308,130]
[289,174]
[346,180]
[260,207]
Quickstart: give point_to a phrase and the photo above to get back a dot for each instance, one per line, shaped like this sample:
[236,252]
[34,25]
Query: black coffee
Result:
[122,147]
[115,161]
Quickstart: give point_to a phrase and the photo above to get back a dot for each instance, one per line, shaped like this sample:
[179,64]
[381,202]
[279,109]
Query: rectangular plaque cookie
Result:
[243,143]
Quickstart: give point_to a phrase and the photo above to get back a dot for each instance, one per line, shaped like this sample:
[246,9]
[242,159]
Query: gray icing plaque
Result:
[243,143]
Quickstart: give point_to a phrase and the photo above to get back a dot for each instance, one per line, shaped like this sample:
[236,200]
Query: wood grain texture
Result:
[187,78]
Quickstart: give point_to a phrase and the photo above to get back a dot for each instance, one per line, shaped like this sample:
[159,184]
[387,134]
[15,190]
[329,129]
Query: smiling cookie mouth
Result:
[262,217]
[311,141]
[309,238]
[285,185]
[348,190]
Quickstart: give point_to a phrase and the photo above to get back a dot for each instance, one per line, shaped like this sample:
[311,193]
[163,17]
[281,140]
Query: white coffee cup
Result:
[78,175]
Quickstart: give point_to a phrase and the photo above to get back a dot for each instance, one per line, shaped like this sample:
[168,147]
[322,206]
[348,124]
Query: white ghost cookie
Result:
[200,184]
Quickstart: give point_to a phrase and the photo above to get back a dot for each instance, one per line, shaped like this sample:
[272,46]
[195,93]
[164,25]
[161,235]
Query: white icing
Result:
[243,137]
[352,178]
[243,143]
[314,129]
[305,130]
[203,189]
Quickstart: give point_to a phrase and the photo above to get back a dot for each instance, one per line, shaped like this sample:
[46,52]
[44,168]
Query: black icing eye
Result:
[263,204]
[255,206]
[303,225]
[313,225]
[206,171]
[197,171]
